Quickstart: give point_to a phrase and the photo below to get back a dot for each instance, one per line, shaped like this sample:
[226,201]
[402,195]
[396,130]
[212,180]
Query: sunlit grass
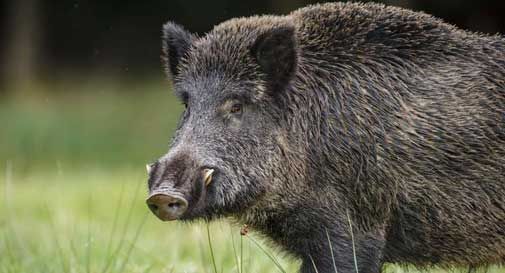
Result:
[94,220]
[54,223]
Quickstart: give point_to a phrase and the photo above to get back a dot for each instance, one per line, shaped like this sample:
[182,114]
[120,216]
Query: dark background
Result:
[51,39]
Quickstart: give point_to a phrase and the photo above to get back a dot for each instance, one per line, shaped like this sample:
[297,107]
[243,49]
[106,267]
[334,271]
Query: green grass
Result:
[96,221]
[73,184]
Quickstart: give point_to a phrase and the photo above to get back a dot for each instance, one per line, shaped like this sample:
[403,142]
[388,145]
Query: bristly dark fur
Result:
[275,53]
[176,42]
[385,120]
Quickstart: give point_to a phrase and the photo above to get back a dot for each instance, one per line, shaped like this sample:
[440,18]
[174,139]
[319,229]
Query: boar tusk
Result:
[148,168]
[207,176]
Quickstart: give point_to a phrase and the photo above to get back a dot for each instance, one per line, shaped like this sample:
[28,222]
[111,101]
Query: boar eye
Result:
[185,105]
[236,108]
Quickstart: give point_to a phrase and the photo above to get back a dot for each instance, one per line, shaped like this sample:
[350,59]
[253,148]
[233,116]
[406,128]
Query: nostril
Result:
[153,207]
[174,205]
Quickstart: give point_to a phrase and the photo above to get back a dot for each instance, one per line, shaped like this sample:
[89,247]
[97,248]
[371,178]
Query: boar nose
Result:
[167,206]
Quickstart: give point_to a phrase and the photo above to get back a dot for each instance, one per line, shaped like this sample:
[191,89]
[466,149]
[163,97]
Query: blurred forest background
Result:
[52,39]
[84,104]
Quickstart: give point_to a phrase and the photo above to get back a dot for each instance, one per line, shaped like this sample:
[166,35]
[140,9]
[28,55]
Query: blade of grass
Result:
[234,250]
[114,222]
[331,250]
[73,249]
[353,244]
[9,220]
[10,256]
[124,231]
[135,238]
[211,250]
[148,268]
[313,264]
[88,244]
[154,259]
[241,254]
[202,255]
[249,253]
[73,256]
[64,266]
[272,258]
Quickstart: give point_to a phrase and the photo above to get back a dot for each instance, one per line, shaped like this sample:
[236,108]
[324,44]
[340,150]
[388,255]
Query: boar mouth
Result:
[198,196]
[184,201]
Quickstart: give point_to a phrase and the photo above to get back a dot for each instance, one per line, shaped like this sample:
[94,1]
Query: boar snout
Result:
[167,206]
[177,185]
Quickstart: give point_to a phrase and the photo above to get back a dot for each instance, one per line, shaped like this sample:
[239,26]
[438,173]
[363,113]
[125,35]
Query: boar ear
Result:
[175,44]
[275,52]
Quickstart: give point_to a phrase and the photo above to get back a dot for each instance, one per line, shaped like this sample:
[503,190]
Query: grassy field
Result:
[73,186]
[97,221]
